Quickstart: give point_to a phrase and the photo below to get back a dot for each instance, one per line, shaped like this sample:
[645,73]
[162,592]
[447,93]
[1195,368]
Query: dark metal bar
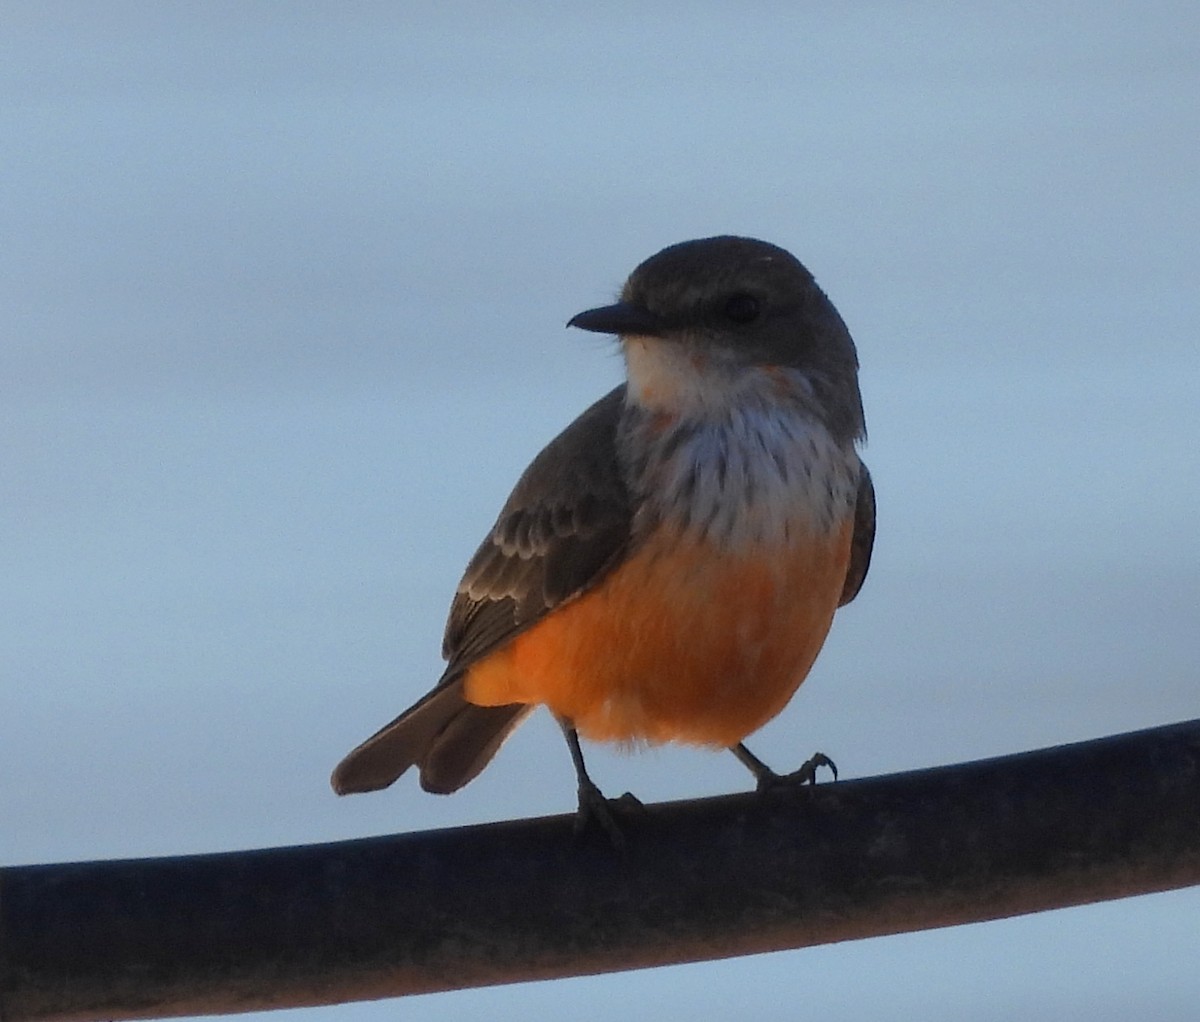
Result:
[525,900]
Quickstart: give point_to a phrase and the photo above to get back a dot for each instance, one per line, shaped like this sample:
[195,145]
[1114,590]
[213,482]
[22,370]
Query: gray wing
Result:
[863,539]
[565,524]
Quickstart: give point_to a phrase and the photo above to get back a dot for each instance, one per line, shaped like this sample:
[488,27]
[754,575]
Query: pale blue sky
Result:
[282,295]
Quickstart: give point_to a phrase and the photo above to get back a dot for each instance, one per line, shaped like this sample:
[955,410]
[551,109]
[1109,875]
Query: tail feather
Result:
[450,739]
[467,744]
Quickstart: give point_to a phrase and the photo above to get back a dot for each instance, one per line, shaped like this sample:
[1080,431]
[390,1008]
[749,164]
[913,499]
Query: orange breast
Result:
[683,642]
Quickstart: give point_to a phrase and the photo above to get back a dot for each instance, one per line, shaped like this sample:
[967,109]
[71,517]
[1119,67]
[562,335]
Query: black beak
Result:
[622,318]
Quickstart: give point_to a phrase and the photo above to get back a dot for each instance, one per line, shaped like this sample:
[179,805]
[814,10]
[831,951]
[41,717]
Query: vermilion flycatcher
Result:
[668,567]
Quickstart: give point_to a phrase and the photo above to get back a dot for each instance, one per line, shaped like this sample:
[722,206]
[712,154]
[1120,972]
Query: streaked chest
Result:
[757,474]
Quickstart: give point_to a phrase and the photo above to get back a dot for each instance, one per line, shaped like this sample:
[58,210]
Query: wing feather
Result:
[565,524]
[863,540]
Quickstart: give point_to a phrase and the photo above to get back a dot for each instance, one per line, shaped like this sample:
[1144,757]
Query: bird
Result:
[668,567]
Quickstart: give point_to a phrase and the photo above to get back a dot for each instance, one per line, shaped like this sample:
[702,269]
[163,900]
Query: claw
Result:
[807,773]
[596,810]
[766,779]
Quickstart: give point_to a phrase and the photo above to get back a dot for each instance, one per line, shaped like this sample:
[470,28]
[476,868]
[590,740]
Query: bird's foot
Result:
[766,779]
[807,772]
[597,811]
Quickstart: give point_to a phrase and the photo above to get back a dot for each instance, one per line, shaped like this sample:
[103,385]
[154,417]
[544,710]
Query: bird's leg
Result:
[593,806]
[766,778]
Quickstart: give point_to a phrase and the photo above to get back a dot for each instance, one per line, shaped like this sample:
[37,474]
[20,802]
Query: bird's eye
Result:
[742,308]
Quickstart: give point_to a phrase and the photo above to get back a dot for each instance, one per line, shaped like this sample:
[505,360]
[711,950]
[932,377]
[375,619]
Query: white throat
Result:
[735,452]
[674,377]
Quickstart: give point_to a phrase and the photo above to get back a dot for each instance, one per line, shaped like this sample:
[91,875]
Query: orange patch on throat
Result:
[780,382]
[683,642]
